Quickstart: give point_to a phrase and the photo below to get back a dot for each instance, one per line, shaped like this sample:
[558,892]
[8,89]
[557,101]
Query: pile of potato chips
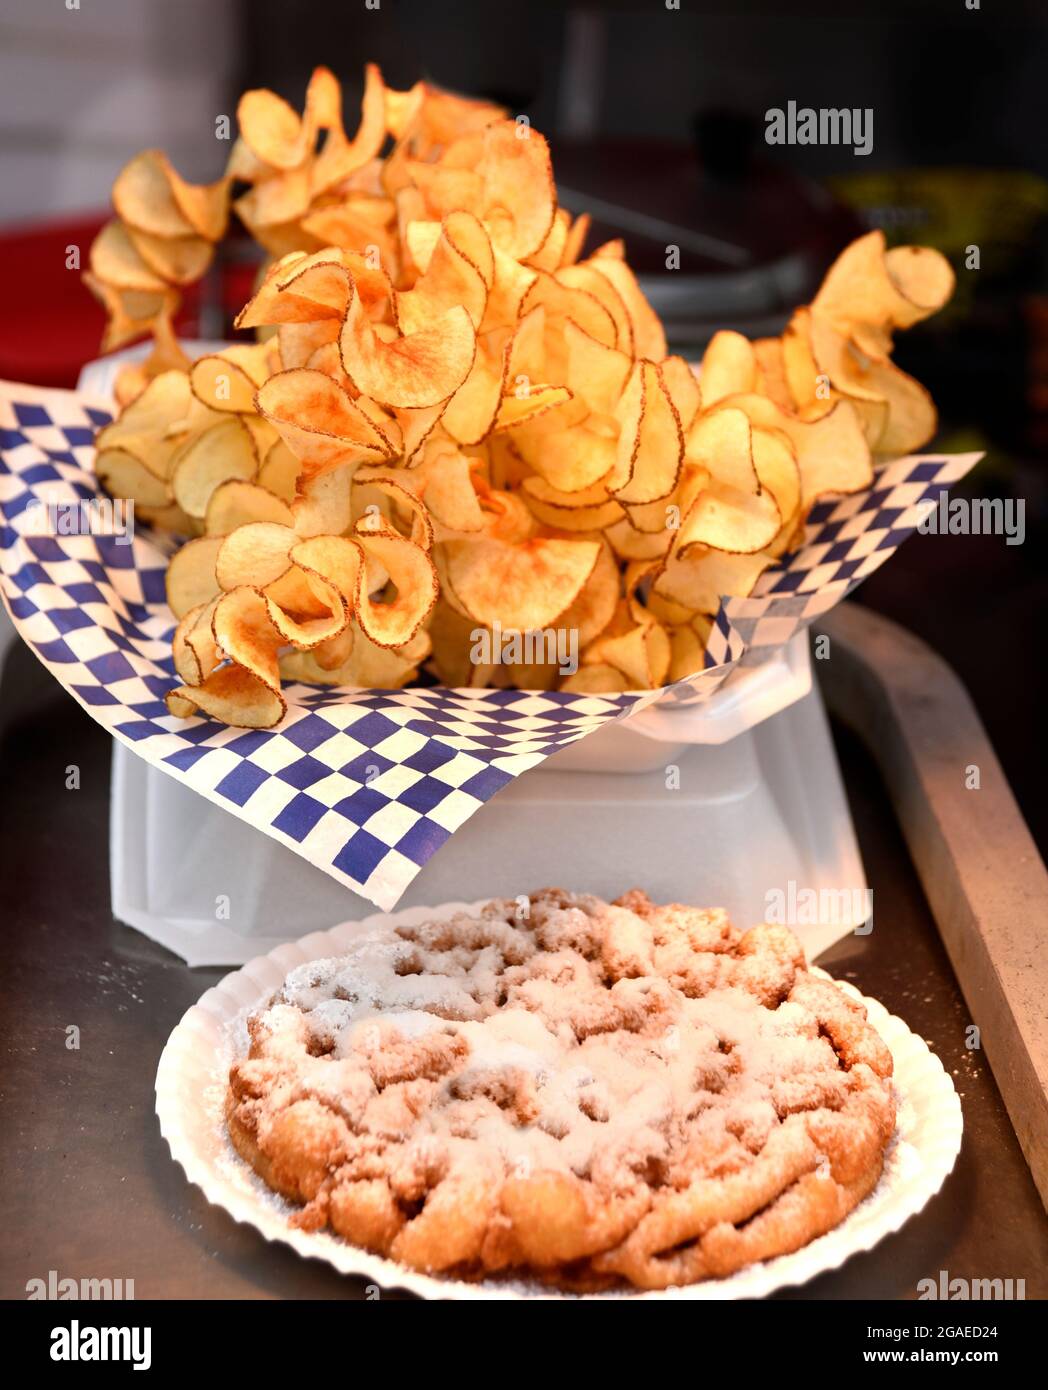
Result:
[456,426]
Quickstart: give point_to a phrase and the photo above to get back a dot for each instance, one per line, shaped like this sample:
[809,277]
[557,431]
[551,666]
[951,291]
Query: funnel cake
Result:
[594,1094]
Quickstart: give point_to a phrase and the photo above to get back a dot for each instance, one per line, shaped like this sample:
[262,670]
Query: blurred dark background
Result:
[656,116]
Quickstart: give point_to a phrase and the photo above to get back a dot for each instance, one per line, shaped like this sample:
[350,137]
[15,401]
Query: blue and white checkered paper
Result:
[365,784]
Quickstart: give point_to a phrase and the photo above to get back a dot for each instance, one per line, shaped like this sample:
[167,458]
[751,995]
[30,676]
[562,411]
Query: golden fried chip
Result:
[595,680]
[227,381]
[651,442]
[234,503]
[115,260]
[177,260]
[596,602]
[589,509]
[700,579]
[870,291]
[124,475]
[318,422]
[191,575]
[144,198]
[412,370]
[345,563]
[649,340]
[256,553]
[223,452]
[524,587]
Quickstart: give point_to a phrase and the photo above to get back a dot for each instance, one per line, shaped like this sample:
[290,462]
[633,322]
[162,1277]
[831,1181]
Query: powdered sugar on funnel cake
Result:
[597,1094]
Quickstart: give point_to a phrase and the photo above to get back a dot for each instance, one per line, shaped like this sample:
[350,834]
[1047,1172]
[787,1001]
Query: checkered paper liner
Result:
[365,784]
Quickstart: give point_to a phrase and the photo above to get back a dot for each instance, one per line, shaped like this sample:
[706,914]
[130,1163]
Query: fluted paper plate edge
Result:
[191,1082]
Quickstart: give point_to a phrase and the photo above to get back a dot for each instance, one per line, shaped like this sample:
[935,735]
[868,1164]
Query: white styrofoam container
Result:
[719,824]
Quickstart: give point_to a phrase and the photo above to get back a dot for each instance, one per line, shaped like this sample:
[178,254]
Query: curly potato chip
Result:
[191,578]
[595,372]
[225,451]
[234,503]
[413,370]
[587,277]
[318,422]
[651,442]
[256,553]
[272,129]
[906,419]
[595,680]
[403,506]
[578,231]
[519,197]
[699,580]
[682,387]
[525,408]
[278,472]
[589,509]
[771,379]
[144,198]
[295,622]
[570,459]
[687,648]
[245,692]
[443,484]
[302,289]
[366,666]
[324,506]
[345,562]
[474,410]
[464,233]
[831,451]
[124,475]
[635,645]
[195,650]
[776,463]
[130,313]
[522,586]
[450,277]
[145,427]
[163,239]
[729,367]
[341,157]
[727,518]
[204,206]
[116,261]
[228,380]
[232,695]
[178,260]
[649,340]
[594,607]
[870,291]
[550,255]
[566,303]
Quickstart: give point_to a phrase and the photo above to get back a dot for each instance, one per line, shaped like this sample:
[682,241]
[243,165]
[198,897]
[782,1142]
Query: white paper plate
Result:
[190,1093]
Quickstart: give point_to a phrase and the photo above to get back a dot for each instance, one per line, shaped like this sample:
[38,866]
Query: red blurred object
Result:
[51,324]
